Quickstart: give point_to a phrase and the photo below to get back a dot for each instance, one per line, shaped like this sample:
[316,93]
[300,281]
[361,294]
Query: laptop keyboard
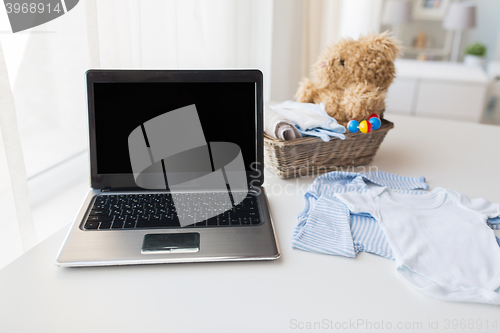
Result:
[136,211]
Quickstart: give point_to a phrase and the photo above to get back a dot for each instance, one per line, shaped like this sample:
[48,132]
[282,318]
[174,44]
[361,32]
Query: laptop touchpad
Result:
[171,243]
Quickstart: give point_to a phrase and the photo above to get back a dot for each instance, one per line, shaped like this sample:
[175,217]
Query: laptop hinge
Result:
[109,189]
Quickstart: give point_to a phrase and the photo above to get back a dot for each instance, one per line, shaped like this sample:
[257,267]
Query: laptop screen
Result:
[227,112]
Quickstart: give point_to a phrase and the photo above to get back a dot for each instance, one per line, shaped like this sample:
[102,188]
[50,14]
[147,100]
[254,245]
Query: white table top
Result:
[273,296]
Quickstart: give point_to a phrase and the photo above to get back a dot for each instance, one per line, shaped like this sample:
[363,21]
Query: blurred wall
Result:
[488,26]
[486,31]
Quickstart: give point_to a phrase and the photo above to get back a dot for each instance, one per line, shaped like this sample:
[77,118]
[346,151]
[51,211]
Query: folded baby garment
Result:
[326,226]
[441,240]
[311,119]
[279,127]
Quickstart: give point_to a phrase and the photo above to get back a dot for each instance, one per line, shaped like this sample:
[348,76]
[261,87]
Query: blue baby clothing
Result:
[323,134]
[310,119]
[440,240]
[326,226]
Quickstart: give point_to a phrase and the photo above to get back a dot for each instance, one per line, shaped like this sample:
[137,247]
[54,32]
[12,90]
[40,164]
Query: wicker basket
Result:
[311,155]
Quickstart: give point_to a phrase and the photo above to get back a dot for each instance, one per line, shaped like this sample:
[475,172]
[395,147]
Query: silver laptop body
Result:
[115,99]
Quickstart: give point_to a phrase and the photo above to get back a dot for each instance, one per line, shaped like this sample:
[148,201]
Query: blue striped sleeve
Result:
[324,230]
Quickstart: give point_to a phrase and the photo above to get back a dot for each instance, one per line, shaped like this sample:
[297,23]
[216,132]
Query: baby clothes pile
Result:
[290,120]
[442,242]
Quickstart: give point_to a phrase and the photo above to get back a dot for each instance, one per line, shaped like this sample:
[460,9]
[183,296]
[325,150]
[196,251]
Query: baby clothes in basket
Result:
[310,119]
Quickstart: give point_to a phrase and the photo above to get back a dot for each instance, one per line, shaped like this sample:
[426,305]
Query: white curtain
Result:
[17,230]
[360,17]
[187,34]
[321,29]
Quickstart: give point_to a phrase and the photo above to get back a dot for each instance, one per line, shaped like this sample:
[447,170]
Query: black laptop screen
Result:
[227,112]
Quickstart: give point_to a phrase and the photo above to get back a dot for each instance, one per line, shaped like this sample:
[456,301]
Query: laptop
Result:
[144,206]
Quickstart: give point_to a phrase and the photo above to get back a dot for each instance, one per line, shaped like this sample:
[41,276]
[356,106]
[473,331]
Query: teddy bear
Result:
[352,77]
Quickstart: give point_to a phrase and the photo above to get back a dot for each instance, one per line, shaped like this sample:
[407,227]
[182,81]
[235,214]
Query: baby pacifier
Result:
[365,126]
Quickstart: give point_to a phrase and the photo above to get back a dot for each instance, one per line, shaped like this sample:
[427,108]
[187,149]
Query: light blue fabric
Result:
[494,223]
[322,133]
[327,226]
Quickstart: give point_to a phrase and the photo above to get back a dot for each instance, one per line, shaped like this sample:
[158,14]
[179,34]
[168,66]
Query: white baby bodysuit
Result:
[440,240]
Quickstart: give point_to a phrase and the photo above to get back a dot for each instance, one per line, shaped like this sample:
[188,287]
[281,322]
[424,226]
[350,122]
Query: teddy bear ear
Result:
[384,43]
